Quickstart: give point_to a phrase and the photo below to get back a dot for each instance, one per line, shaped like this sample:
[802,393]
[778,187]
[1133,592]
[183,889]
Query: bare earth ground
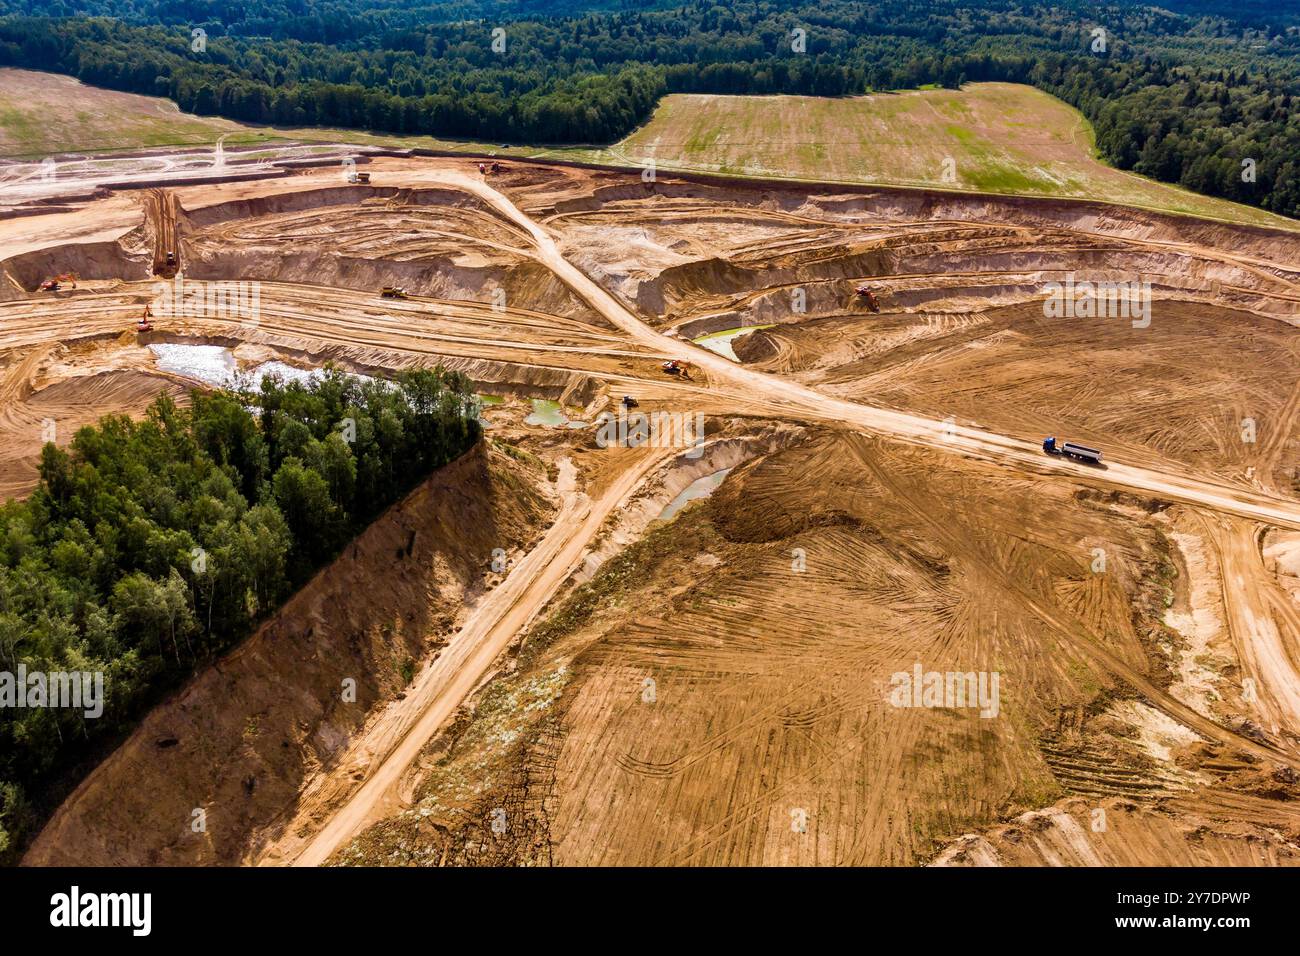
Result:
[715,689]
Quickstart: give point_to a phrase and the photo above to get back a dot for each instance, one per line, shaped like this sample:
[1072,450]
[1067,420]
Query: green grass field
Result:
[989,137]
[42,114]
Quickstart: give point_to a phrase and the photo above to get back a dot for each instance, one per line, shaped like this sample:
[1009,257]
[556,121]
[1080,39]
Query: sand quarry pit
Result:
[1105,657]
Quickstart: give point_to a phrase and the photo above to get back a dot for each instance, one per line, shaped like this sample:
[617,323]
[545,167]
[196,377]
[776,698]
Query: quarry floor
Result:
[715,689]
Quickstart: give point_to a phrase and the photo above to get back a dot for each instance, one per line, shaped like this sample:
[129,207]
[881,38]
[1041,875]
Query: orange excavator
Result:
[865,292]
[677,367]
[144,325]
[57,283]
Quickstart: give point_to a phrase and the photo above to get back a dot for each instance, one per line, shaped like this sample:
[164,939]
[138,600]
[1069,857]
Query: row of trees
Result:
[149,547]
[317,21]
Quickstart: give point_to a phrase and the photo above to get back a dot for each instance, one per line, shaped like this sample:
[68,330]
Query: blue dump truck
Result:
[1070,450]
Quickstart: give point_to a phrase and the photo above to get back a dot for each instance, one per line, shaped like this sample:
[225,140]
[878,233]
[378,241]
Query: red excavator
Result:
[144,325]
[55,284]
[865,292]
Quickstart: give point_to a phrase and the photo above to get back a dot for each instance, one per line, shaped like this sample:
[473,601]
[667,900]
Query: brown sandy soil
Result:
[69,406]
[771,685]
[1119,832]
[245,735]
[1146,396]
[896,454]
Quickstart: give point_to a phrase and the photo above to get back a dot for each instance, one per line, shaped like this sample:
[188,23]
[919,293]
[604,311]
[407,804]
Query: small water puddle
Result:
[550,414]
[210,364]
[215,365]
[720,342]
[546,412]
[699,488]
[484,403]
[287,373]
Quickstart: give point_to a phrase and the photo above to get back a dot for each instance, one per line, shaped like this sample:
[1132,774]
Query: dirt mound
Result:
[756,346]
[924,247]
[730,673]
[664,188]
[751,507]
[920,205]
[524,286]
[1118,832]
[238,741]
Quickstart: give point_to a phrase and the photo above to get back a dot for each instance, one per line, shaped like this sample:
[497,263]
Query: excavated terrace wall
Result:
[242,737]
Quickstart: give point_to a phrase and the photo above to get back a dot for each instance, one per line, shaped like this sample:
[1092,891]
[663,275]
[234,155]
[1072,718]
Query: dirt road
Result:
[390,747]
[511,606]
[775,394]
[321,252]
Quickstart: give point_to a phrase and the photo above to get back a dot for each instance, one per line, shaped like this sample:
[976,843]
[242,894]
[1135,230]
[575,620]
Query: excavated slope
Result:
[238,740]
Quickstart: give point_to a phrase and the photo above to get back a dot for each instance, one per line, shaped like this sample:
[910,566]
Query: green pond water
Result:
[699,488]
[550,414]
[485,401]
[720,342]
[546,412]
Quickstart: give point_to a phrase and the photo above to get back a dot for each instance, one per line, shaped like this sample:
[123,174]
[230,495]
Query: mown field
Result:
[988,137]
[42,114]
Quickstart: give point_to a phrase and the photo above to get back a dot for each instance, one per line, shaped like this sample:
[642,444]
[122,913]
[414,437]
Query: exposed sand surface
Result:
[715,688]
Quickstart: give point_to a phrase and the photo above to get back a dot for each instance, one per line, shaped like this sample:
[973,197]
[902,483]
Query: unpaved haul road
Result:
[793,399]
[503,613]
[402,733]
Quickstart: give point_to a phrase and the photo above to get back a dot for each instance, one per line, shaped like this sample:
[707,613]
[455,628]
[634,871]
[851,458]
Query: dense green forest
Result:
[320,21]
[149,547]
[1184,95]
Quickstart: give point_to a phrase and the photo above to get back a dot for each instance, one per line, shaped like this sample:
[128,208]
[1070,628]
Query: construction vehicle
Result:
[165,267]
[482,169]
[356,177]
[55,284]
[144,325]
[630,402]
[870,296]
[1071,450]
[496,168]
[677,367]
[392,292]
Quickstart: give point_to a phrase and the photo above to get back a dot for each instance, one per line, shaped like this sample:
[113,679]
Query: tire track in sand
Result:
[398,739]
